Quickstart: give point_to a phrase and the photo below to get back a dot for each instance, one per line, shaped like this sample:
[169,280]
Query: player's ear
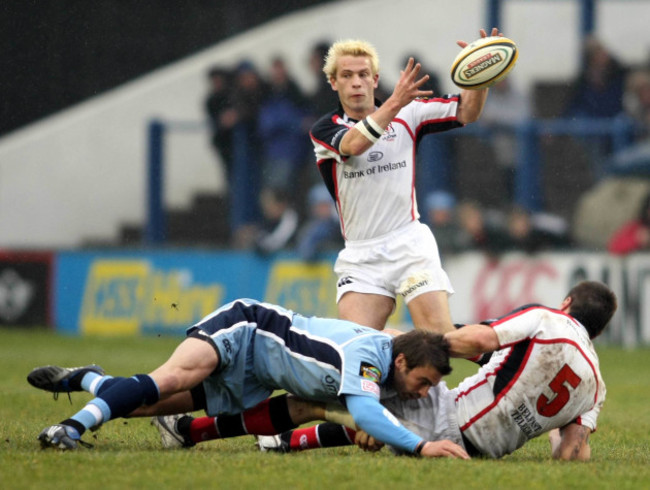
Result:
[566,304]
[376,78]
[400,361]
[333,84]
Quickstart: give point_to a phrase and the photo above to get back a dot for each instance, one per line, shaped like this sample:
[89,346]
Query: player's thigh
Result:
[430,311]
[370,310]
[192,361]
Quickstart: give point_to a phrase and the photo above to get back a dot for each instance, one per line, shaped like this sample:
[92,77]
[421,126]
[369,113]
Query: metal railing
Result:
[528,191]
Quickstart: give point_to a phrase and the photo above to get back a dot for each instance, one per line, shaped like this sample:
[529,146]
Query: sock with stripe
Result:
[96,383]
[268,418]
[318,436]
[118,400]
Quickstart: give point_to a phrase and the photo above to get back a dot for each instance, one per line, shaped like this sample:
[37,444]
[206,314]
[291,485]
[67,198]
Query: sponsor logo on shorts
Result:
[330,385]
[368,371]
[370,387]
[344,281]
[227,345]
[415,286]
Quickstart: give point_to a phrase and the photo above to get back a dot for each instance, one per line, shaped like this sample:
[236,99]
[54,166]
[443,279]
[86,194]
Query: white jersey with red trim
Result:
[545,376]
[375,191]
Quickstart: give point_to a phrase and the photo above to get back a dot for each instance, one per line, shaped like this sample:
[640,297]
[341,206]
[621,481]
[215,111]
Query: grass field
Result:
[127,453]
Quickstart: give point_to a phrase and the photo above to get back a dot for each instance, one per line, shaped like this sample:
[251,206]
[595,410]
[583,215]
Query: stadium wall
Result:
[144,293]
[80,174]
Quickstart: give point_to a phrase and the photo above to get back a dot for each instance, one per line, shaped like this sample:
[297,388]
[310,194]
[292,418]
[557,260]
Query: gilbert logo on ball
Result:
[484,62]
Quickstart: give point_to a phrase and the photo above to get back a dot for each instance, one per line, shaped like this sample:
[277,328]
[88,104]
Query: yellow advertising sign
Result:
[310,289]
[124,296]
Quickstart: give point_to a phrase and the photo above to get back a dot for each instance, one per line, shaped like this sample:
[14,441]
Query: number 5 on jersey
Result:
[549,408]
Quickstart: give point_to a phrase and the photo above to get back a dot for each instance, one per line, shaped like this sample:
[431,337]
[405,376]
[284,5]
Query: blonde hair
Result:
[349,47]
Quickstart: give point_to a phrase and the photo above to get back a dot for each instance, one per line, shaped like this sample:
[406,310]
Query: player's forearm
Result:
[355,142]
[471,105]
[472,340]
[370,416]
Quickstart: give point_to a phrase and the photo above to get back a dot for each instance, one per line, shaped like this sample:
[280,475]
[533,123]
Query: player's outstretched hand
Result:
[408,86]
[495,32]
[443,449]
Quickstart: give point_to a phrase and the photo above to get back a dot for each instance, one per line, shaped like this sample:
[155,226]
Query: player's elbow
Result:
[464,119]
[468,116]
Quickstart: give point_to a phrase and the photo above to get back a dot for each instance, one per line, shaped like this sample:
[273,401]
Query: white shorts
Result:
[405,261]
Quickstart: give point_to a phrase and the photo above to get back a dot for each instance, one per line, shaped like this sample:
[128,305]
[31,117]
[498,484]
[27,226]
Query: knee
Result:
[169,381]
[302,411]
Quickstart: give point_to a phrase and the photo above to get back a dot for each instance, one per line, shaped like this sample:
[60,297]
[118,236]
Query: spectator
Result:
[280,222]
[533,233]
[322,231]
[637,99]
[481,230]
[634,235]
[282,124]
[598,90]
[322,98]
[441,217]
[506,108]
[249,91]
[597,93]
[635,159]
[218,108]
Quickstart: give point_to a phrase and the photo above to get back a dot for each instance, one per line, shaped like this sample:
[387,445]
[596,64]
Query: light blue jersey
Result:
[264,347]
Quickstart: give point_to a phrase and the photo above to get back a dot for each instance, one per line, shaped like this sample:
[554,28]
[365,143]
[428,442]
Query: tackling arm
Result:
[472,340]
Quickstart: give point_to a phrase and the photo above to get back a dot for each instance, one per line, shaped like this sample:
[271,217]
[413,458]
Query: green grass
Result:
[127,453]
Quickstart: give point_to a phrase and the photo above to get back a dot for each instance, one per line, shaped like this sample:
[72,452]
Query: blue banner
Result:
[132,293]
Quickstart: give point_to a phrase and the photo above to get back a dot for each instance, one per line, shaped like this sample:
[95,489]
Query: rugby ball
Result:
[484,62]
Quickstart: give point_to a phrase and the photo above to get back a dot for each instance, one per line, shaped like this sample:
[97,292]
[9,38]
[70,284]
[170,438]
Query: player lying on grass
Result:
[543,376]
[237,356]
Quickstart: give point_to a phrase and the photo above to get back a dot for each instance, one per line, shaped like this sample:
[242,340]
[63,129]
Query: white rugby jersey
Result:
[545,376]
[375,191]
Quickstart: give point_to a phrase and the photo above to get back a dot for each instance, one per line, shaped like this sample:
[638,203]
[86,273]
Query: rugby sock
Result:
[96,383]
[318,436]
[267,418]
[118,400]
